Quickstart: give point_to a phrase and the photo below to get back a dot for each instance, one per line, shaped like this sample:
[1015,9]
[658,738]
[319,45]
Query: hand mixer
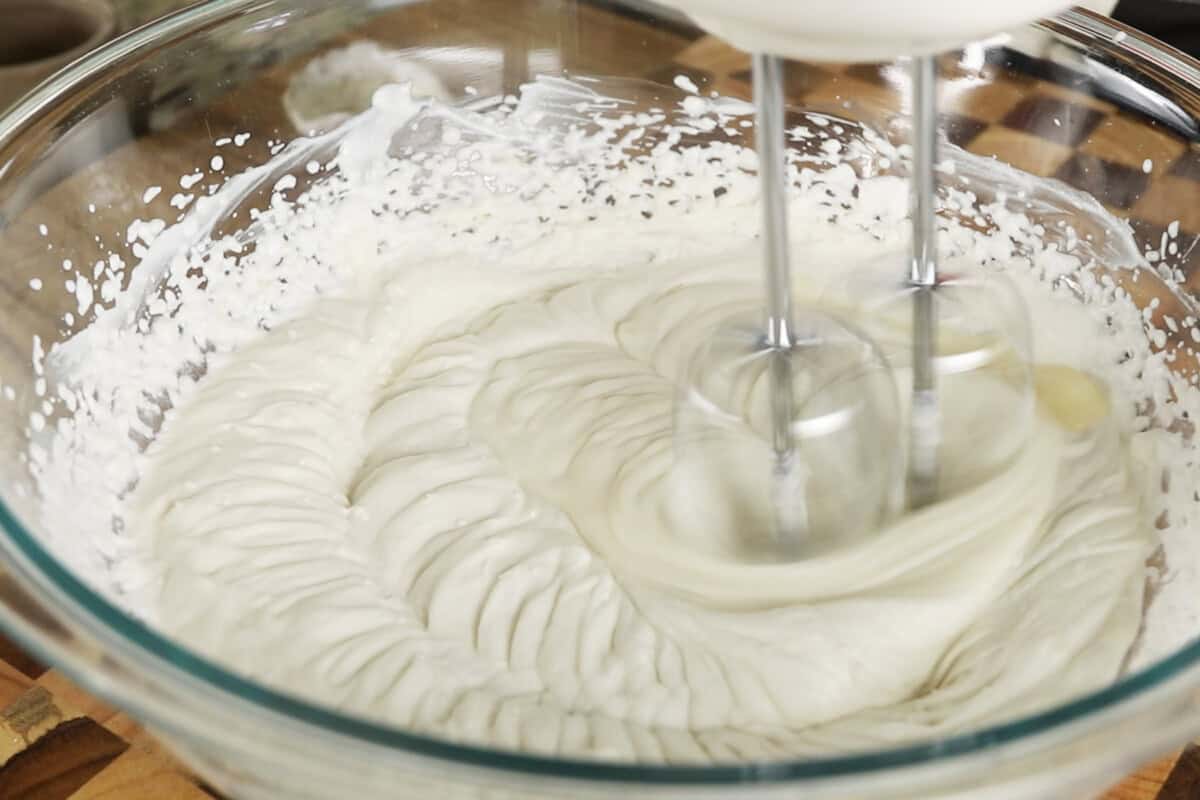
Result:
[808,341]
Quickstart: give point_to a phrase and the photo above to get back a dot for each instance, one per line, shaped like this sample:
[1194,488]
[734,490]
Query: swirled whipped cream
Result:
[414,463]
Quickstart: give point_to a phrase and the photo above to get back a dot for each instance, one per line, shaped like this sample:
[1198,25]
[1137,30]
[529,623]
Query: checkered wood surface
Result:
[57,742]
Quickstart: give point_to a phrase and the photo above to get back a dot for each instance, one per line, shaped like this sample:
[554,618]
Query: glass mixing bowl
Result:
[1077,98]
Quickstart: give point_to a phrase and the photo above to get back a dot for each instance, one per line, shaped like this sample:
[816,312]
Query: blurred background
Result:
[1174,21]
[37,37]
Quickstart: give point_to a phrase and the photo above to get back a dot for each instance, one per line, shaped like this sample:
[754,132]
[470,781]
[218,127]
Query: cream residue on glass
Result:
[402,444]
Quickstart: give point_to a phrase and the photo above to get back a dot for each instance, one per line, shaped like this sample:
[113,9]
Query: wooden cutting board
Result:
[57,742]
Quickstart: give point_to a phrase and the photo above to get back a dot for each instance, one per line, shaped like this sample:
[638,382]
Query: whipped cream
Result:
[413,452]
[444,501]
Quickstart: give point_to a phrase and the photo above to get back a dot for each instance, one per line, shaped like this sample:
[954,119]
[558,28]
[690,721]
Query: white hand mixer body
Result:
[862,30]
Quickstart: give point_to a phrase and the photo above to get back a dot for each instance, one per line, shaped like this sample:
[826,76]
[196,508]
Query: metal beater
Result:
[924,429]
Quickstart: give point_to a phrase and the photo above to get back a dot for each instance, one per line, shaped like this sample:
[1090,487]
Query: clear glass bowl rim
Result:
[67,598]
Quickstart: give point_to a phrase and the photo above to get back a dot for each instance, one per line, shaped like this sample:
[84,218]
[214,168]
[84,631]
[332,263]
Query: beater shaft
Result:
[772,170]
[924,426]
